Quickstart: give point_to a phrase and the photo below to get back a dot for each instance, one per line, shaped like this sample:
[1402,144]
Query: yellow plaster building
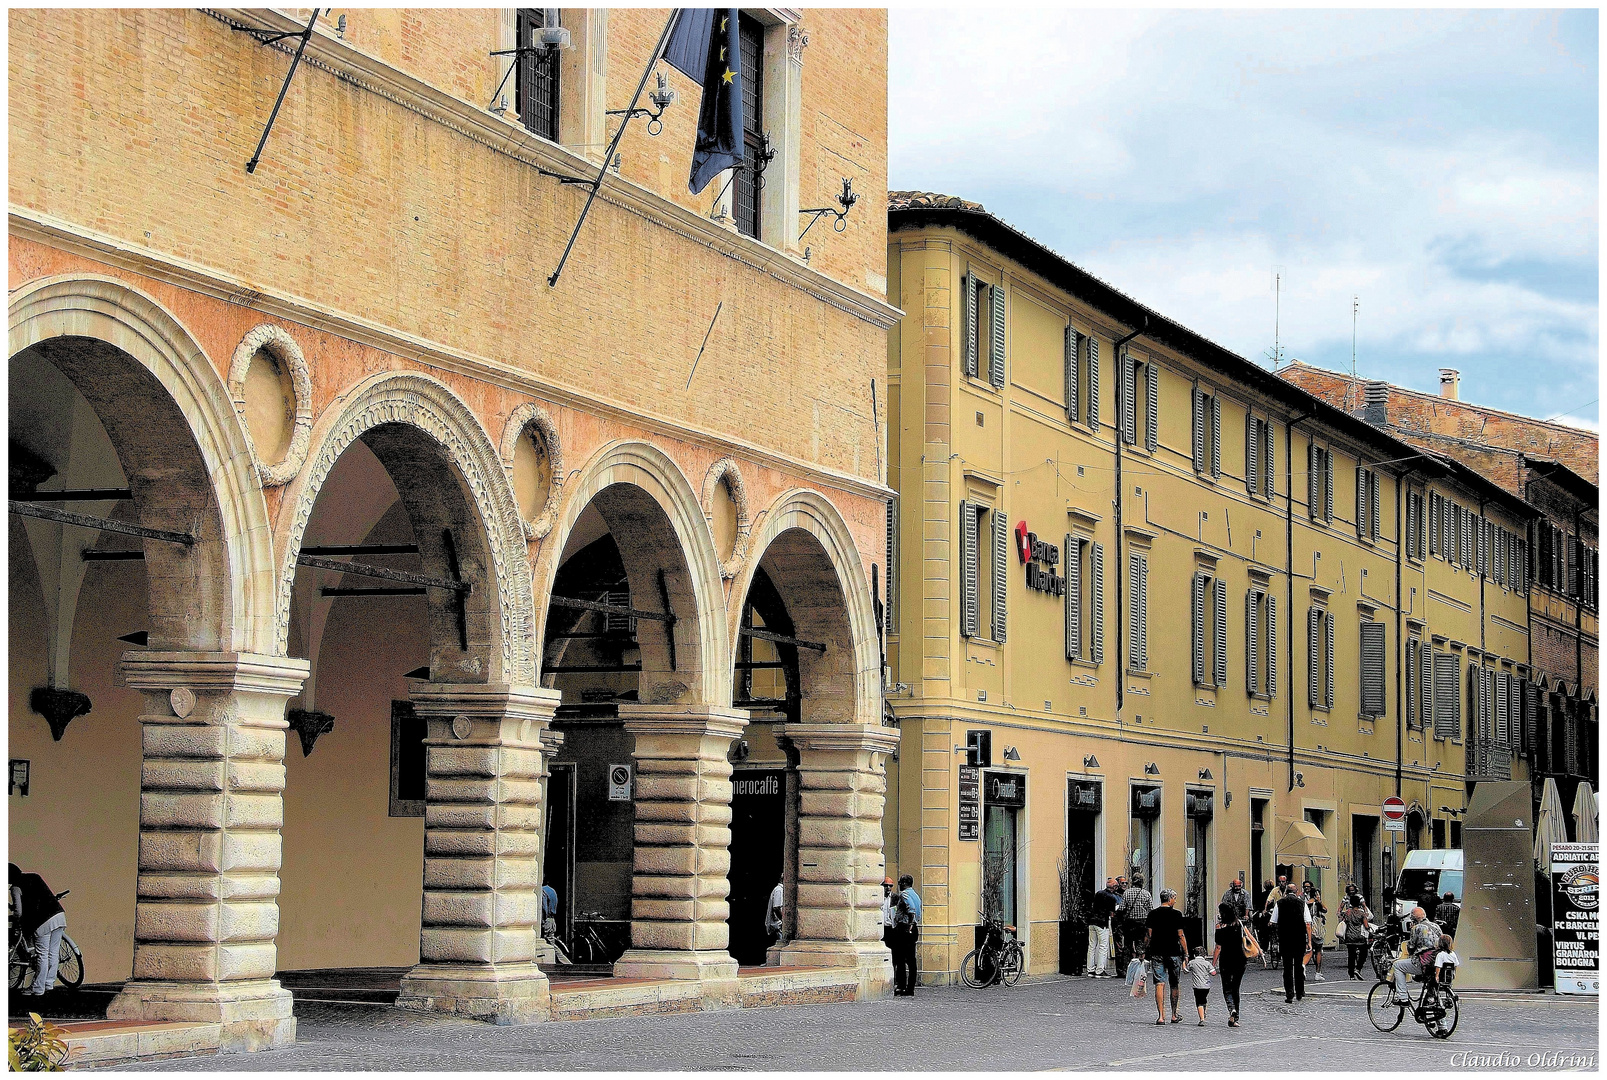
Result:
[1191,619]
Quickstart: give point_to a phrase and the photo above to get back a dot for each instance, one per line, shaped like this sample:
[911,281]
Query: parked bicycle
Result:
[1436,1006]
[999,959]
[70,962]
[585,944]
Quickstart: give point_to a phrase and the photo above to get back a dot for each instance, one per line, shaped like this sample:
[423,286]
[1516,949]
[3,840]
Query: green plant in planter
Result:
[38,1047]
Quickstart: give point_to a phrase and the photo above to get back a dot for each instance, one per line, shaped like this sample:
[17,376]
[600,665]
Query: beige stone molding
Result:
[26,223]
[874,738]
[355,67]
[523,418]
[216,672]
[726,470]
[277,341]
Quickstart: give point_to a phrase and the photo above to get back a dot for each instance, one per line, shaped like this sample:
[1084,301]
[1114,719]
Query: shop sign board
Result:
[1576,926]
[1007,789]
[970,802]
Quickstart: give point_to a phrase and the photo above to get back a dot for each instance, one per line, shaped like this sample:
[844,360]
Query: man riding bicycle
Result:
[39,915]
[1422,943]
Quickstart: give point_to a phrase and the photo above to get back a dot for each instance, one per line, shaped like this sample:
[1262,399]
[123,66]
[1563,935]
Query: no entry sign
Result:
[1394,814]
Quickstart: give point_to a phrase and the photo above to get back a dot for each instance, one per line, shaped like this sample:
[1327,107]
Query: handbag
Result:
[1251,948]
[1339,931]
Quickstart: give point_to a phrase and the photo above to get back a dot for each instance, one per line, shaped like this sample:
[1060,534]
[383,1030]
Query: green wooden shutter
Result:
[1071,363]
[1372,668]
[969,570]
[1093,383]
[996,352]
[1001,568]
[1152,406]
[1073,550]
[1197,627]
[1096,604]
[1220,627]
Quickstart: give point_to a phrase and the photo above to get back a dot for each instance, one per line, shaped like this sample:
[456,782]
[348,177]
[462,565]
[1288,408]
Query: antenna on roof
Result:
[1355,306]
[1276,354]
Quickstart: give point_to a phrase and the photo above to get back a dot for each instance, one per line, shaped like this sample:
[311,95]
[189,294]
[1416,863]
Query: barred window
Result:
[536,93]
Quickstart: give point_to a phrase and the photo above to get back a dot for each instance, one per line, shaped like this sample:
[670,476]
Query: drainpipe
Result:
[1289,571]
[1121,629]
[1400,639]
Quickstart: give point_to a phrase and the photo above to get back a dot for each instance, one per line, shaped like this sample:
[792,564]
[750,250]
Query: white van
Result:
[1423,870]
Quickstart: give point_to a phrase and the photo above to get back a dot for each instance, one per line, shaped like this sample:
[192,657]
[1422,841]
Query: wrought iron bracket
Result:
[309,724]
[295,62]
[58,707]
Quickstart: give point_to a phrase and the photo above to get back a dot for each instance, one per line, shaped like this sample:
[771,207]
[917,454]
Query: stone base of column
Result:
[497,994]
[872,960]
[255,1015]
[713,968]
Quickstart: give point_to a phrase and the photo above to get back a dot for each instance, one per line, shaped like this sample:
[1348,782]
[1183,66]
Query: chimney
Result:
[1450,380]
[1375,406]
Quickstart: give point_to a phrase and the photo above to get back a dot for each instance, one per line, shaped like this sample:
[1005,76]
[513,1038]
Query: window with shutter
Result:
[1467,537]
[892,565]
[1411,524]
[1129,402]
[1486,703]
[968,323]
[1269,483]
[1328,660]
[1197,428]
[1197,626]
[1434,523]
[1447,698]
[970,571]
[1220,625]
[1272,645]
[996,351]
[1313,655]
[1152,407]
[1573,566]
[1137,632]
[1361,502]
[1313,494]
[1073,550]
[1411,683]
[1481,534]
[1252,641]
[1498,555]
[1216,436]
[1093,382]
[1071,363]
[1252,456]
[1327,486]
[1372,512]
[1001,572]
[1372,669]
[1096,603]
[1503,734]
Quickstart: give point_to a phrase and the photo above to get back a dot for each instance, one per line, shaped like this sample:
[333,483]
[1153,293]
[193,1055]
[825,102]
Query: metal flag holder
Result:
[846,200]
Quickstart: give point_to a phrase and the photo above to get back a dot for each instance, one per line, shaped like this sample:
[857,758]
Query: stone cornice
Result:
[351,65]
[214,672]
[30,224]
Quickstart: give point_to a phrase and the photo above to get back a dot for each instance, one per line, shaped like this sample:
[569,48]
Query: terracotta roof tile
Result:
[913,200]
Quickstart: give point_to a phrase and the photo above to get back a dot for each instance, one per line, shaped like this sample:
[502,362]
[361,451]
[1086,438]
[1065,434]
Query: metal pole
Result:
[614,144]
[306,35]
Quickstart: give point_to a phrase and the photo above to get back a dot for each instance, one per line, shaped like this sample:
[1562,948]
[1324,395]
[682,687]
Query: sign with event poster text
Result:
[970,802]
[1575,911]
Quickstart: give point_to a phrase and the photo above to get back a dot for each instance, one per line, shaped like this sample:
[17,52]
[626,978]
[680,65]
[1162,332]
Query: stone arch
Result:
[148,370]
[641,481]
[278,342]
[726,471]
[524,417]
[416,423]
[795,514]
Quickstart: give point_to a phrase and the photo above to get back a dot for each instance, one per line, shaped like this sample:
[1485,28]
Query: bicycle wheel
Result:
[1384,1015]
[1381,960]
[70,965]
[1011,964]
[21,968]
[1443,1018]
[968,972]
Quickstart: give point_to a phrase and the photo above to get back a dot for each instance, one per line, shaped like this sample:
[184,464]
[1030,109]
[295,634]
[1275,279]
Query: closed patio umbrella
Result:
[1586,830]
[1550,826]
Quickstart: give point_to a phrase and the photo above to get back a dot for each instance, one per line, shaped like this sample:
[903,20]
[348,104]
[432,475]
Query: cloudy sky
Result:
[1439,165]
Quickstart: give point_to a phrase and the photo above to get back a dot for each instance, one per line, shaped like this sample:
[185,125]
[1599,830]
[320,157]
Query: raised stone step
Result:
[92,1043]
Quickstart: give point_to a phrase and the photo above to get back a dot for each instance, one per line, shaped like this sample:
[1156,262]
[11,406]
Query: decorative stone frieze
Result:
[842,793]
[211,807]
[486,749]
[683,843]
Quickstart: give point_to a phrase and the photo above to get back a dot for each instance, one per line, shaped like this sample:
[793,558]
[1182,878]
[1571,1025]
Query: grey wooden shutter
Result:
[1503,731]
[1073,550]
[1498,556]
[1482,553]
[1252,641]
[1001,568]
[1313,663]
[1467,537]
[1312,506]
[1425,679]
[1252,456]
[1372,513]
[1129,402]
[969,328]
[1096,604]
[1071,363]
[1152,407]
[1272,645]
[1328,486]
[1220,626]
[1412,677]
[1372,668]
[969,570]
[1446,696]
[892,565]
[1531,716]
[996,352]
[1197,627]
[1474,684]
[1216,436]
[1434,514]
[1197,428]
[1573,566]
[1135,608]
[1361,501]
[1269,460]
[1411,523]
[1328,659]
[1093,382]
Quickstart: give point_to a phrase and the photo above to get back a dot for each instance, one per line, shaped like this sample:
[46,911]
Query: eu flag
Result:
[704,46]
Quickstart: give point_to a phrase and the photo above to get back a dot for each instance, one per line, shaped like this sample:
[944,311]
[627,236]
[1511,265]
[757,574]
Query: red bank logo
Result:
[1023,544]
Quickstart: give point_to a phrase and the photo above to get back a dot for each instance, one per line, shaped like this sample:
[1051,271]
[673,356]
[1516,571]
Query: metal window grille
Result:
[536,94]
[746,187]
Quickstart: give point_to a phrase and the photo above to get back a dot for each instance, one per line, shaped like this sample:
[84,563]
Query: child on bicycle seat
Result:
[1445,957]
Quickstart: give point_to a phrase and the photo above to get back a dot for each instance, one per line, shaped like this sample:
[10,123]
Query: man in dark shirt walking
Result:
[1099,916]
[1291,920]
[1164,948]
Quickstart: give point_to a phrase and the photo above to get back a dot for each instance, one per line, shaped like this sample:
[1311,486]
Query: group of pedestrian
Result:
[1118,925]
[1167,955]
[901,930]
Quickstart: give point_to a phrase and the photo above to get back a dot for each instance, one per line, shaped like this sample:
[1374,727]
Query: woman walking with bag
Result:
[1354,922]
[1234,947]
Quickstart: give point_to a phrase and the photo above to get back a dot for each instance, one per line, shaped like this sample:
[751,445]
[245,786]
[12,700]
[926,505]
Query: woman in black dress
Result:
[1228,956]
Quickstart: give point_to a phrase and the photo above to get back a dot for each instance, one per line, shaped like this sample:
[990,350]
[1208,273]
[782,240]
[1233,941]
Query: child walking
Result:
[1200,970]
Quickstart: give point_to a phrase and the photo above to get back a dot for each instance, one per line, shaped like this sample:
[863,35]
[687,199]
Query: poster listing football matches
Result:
[1576,894]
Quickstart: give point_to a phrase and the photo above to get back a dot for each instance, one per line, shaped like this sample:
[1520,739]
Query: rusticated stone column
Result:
[683,845]
[842,792]
[485,785]
[211,806]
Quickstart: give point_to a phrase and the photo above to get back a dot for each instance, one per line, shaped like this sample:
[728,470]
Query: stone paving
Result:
[1052,1024]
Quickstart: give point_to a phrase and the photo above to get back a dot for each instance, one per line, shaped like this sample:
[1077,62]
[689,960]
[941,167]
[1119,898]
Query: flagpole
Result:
[608,157]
